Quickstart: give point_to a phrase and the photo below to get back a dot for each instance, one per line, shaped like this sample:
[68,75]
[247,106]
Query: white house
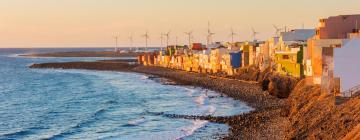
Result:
[347,64]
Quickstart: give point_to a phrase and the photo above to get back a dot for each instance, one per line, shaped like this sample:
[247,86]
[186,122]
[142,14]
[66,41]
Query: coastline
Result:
[243,126]
[303,113]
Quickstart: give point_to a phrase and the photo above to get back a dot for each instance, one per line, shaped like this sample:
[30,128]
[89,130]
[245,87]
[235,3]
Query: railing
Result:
[352,92]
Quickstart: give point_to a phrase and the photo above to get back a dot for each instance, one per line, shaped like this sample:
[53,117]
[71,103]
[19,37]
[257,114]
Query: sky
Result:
[93,23]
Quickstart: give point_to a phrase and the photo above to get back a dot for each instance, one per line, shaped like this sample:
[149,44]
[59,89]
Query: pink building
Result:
[337,27]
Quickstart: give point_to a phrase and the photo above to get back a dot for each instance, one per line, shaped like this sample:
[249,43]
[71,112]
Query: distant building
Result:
[248,53]
[197,46]
[297,35]
[289,63]
[289,51]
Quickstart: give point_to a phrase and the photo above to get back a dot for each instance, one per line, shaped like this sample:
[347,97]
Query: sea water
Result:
[82,104]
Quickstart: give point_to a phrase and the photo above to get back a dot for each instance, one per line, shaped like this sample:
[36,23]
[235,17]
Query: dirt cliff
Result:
[277,85]
[316,116]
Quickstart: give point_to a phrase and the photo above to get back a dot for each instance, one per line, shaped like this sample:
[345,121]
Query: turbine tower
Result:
[209,35]
[161,41]
[277,31]
[232,34]
[167,35]
[146,36]
[189,35]
[254,33]
[116,37]
[176,40]
[131,42]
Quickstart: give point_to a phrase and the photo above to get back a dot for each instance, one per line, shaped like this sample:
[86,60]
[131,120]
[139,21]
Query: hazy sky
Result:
[92,23]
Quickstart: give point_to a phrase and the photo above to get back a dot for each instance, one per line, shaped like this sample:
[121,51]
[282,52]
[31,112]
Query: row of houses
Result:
[302,53]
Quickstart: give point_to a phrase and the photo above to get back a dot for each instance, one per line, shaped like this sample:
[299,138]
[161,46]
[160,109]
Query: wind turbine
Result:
[254,33]
[189,34]
[209,35]
[116,37]
[303,25]
[176,41]
[131,39]
[167,35]
[277,30]
[146,36]
[161,41]
[232,34]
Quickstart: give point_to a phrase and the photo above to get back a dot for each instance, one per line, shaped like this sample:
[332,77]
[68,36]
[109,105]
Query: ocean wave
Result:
[76,128]
[189,130]
[144,77]
[174,134]
[211,110]
[16,55]
[190,91]
[201,99]
[110,102]
[137,121]
[14,135]
[21,133]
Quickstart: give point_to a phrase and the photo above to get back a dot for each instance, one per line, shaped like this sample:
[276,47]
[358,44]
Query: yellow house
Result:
[288,64]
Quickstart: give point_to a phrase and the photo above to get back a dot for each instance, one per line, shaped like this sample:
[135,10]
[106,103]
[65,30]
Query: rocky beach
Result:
[284,107]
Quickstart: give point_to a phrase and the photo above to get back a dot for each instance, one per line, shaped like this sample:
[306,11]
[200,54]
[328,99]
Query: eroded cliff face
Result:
[277,85]
[281,86]
[314,115]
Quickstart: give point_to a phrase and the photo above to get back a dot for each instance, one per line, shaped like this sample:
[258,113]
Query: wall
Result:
[347,65]
[327,79]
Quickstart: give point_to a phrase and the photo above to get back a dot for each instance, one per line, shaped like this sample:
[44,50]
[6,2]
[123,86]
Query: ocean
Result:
[82,104]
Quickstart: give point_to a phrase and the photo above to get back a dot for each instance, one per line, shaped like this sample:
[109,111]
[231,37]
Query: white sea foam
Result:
[189,130]
[227,106]
[190,91]
[211,109]
[174,134]
[15,55]
[137,121]
[201,99]
[144,77]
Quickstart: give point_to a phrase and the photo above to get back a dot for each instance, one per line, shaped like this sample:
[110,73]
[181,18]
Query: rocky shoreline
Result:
[242,126]
[303,114]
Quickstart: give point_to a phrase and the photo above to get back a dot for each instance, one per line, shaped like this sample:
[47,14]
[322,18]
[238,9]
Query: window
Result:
[285,57]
